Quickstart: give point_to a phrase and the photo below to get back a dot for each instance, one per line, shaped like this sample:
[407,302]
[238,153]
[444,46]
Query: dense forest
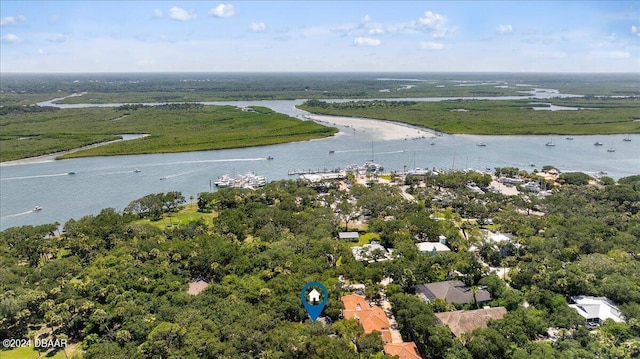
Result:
[115,284]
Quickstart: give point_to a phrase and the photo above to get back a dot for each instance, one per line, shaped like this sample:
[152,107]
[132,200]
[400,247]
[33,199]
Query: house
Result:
[452,291]
[595,310]
[432,247]
[497,237]
[405,350]
[349,236]
[372,252]
[371,318]
[463,321]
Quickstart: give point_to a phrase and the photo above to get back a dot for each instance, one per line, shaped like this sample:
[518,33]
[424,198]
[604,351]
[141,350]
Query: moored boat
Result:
[597,143]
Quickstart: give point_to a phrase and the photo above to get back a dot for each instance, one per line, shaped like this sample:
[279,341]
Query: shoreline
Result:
[53,156]
[383,130]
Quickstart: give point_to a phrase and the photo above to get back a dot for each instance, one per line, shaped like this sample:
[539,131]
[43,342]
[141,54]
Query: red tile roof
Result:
[370,317]
[407,350]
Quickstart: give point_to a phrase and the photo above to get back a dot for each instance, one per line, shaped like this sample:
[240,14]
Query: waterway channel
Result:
[102,182]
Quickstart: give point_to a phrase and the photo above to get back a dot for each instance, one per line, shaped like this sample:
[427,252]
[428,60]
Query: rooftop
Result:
[596,308]
[463,321]
[407,350]
[452,291]
[432,247]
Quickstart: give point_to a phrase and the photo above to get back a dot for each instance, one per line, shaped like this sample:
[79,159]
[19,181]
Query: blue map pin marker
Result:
[311,301]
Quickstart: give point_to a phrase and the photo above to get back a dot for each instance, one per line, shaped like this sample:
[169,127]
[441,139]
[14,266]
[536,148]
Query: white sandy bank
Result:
[383,130]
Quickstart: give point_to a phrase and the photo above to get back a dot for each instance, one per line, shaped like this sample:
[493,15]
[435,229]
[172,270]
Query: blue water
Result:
[102,182]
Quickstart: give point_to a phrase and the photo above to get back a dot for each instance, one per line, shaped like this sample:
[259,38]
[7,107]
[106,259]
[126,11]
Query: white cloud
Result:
[434,23]
[634,30]
[257,27]
[11,38]
[145,62]
[53,19]
[614,54]
[504,29]
[365,19]
[366,41]
[223,10]
[428,45]
[12,20]
[376,31]
[157,14]
[181,14]
[57,37]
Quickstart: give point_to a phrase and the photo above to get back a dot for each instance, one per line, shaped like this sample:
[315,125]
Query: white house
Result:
[595,310]
[432,247]
[373,252]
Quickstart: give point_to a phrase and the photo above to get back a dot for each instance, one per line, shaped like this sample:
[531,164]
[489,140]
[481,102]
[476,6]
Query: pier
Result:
[316,171]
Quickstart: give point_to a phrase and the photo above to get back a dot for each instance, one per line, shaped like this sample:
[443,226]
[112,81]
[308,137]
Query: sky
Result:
[319,36]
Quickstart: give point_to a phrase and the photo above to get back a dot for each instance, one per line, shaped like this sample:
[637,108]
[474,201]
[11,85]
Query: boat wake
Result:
[19,214]
[176,175]
[37,176]
[207,161]
[390,152]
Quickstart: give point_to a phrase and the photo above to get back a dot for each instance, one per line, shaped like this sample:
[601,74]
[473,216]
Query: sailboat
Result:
[550,143]
[627,139]
[611,149]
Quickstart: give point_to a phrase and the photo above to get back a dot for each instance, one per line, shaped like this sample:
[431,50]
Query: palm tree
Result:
[474,291]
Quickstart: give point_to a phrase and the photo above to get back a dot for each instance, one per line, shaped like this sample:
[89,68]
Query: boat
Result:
[224,181]
[570,138]
[249,180]
[37,208]
[597,143]
[269,157]
[532,164]
[611,149]
[627,139]
[433,143]
[136,171]
[550,144]
[482,144]
[332,151]
[71,173]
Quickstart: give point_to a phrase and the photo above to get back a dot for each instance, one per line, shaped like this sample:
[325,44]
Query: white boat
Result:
[597,143]
[627,139]
[37,208]
[482,144]
[550,144]
[569,138]
[224,181]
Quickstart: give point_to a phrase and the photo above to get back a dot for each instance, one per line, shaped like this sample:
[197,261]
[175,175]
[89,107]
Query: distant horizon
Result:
[319,36]
[325,72]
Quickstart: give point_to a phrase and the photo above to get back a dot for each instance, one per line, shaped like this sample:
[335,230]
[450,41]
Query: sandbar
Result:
[379,129]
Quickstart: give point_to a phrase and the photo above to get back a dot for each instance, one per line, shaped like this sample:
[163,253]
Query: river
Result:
[102,182]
